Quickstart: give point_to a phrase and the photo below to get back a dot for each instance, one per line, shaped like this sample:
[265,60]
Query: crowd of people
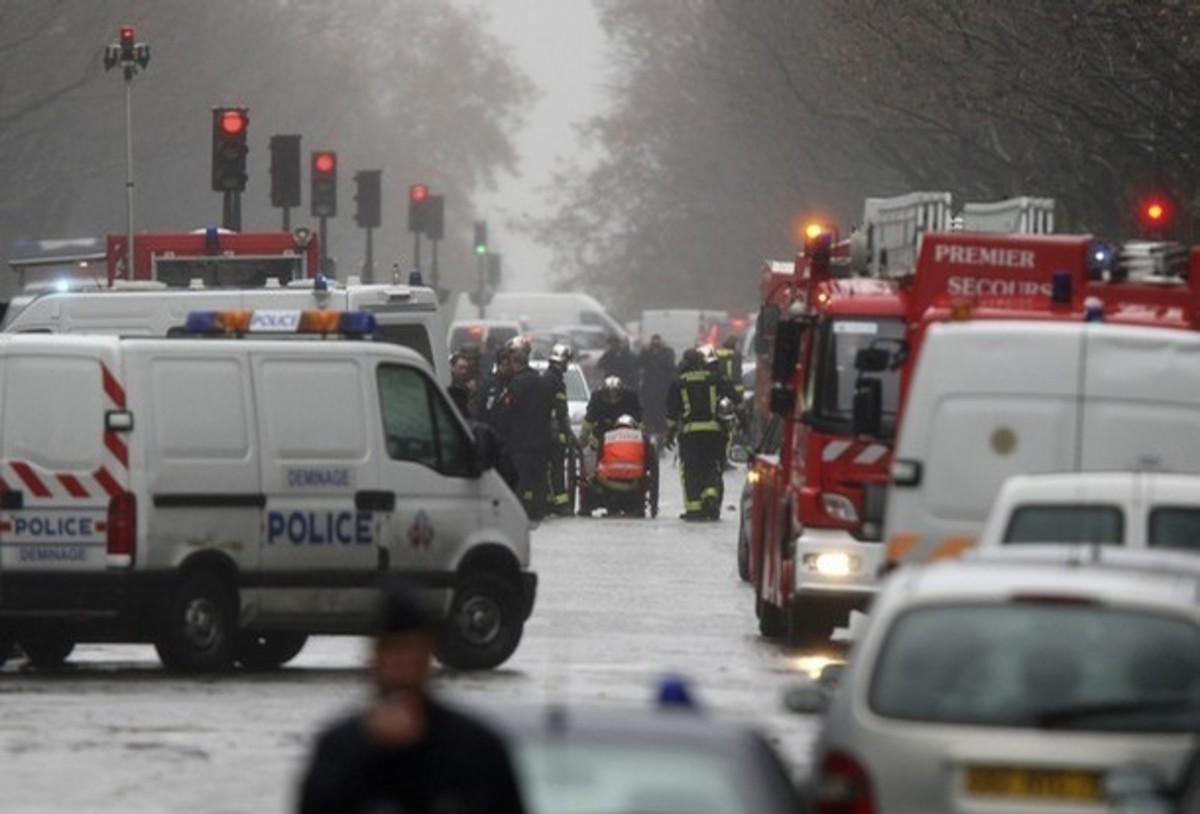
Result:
[696,404]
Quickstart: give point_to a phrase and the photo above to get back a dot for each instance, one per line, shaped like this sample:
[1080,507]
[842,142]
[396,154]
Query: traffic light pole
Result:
[417,251]
[433,266]
[368,269]
[480,290]
[129,255]
[231,210]
[324,248]
[287,219]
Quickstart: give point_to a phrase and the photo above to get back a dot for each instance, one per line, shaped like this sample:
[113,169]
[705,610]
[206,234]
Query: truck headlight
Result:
[839,507]
[833,563]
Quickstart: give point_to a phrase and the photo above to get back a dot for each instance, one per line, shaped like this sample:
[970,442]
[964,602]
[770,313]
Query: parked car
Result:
[1016,680]
[633,761]
[1135,509]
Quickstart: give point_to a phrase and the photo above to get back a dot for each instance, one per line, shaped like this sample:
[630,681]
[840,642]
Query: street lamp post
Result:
[130,55]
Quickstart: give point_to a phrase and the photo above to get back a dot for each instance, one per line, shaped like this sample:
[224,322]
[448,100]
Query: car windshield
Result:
[835,375]
[576,385]
[1031,663]
[607,778]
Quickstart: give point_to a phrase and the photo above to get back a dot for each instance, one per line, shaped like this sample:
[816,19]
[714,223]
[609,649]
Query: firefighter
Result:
[521,416]
[692,418]
[562,441]
[610,401]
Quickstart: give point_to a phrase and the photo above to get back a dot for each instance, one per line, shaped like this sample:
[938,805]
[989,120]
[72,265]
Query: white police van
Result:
[406,315]
[225,498]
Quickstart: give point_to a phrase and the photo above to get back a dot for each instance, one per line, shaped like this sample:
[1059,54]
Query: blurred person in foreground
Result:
[407,752]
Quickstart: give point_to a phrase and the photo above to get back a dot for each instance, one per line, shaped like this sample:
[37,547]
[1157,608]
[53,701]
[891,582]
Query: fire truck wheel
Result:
[48,649]
[199,627]
[268,651]
[772,621]
[813,622]
[8,647]
[743,547]
[484,625]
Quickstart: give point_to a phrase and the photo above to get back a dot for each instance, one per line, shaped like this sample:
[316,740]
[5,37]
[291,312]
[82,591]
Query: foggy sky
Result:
[560,45]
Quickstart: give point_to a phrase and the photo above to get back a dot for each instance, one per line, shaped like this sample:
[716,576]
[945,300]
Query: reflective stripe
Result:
[833,449]
[871,454]
[693,505]
[701,426]
[711,491]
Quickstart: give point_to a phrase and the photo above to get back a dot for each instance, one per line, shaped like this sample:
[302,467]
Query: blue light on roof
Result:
[201,322]
[358,323]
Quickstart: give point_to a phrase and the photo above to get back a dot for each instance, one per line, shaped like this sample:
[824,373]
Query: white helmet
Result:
[709,354]
[626,420]
[519,344]
[612,383]
[561,354]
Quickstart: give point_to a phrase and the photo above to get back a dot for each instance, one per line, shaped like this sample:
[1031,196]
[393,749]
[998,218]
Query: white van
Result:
[989,400]
[405,315]
[541,310]
[1132,509]
[225,498]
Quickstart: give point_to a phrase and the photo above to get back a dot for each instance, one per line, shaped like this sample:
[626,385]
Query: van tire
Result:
[268,651]
[199,631]
[484,626]
[48,649]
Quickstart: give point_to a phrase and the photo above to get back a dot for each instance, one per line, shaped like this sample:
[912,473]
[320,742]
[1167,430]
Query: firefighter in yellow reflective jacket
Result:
[562,443]
[692,418]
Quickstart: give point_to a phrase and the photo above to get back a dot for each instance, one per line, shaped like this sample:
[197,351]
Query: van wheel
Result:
[199,627]
[268,651]
[484,625]
[48,649]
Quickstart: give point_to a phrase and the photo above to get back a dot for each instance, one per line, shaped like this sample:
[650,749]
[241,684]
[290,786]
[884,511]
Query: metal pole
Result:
[129,255]
[231,212]
[324,249]
[433,262]
[417,250]
[287,219]
[479,289]
[368,270]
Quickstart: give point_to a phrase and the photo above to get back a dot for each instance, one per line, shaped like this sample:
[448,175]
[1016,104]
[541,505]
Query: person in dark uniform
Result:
[692,418]
[521,417]
[562,441]
[407,751]
[657,365]
[618,360]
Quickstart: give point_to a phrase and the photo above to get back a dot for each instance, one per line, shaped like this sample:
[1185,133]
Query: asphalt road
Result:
[621,603]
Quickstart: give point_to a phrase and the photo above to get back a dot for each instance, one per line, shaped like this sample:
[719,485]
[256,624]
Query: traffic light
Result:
[1156,216]
[285,171]
[435,217]
[418,208]
[229,148]
[481,246]
[127,43]
[323,174]
[367,212]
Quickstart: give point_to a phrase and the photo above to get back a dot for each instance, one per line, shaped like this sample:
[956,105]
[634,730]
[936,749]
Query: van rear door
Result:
[60,468]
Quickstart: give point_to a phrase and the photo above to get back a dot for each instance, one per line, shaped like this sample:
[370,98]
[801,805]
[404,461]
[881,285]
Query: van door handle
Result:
[373,500]
[12,499]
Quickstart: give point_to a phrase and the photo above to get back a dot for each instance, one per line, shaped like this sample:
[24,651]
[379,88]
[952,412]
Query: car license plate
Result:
[1057,784]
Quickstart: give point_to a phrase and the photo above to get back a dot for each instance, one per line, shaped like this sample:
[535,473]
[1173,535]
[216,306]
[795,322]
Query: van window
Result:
[415,337]
[1045,523]
[418,424]
[1174,527]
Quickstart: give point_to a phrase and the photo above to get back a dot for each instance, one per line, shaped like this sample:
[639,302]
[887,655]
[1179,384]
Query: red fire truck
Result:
[216,257]
[844,349]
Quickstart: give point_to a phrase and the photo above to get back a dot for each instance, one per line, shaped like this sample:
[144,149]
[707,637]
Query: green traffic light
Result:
[480,249]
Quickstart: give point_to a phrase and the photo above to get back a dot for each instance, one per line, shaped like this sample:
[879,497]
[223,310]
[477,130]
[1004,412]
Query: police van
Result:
[225,498]
[405,315]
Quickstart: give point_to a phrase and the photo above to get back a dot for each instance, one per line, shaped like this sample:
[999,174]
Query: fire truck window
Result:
[1175,527]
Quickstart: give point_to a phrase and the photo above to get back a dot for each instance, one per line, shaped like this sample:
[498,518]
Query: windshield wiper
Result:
[1060,716]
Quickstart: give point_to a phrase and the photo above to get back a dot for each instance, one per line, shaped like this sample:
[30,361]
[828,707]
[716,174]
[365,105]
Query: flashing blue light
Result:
[673,692]
[1061,290]
[414,277]
[358,323]
[201,322]
[62,286]
[212,240]
[321,283]
[1093,310]
[1100,259]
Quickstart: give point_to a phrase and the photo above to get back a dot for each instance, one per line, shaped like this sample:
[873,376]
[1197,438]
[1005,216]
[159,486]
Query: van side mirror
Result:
[868,406]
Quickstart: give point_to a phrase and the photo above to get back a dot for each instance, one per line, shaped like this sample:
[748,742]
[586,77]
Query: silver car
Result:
[1016,681]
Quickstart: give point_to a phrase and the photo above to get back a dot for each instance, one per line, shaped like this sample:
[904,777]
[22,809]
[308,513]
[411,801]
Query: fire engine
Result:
[843,351]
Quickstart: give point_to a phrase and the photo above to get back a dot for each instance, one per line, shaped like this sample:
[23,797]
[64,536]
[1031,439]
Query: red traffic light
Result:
[418,193]
[1154,211]
[233,122]
[127,35]
[324,162]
